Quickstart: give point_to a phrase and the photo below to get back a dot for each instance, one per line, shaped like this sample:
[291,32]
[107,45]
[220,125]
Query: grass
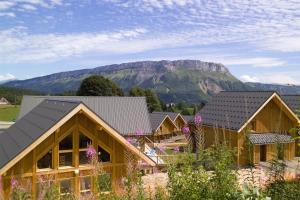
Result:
[9,112]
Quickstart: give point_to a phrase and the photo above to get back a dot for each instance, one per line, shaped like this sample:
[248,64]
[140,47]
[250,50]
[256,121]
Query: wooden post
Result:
[34,163]
[76,157]
[114,161]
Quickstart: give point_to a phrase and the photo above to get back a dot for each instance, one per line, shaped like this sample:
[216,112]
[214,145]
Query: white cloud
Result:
[7,77]
[7,14]
[287,44]
[273,78]
[265,62]
[28,7]
[17,46]
[6,7]
[248,78]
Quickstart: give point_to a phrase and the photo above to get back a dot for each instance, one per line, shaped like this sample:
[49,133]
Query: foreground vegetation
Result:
[9,112]
[212,176]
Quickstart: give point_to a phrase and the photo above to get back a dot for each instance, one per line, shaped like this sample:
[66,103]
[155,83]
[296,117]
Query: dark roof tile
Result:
[231,110]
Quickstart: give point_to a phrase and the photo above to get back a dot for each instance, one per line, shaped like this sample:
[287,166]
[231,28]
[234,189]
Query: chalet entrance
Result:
[263,153]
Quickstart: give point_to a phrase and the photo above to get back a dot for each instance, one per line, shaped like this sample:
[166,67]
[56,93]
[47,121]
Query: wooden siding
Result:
[80,123]
[271,119]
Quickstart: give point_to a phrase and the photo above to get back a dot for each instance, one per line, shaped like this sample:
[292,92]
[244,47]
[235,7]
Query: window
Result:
[66,151]
[85,185]
[46,161]
[44,186]
[66,186]
[104,182]
[103,156]
[84,142]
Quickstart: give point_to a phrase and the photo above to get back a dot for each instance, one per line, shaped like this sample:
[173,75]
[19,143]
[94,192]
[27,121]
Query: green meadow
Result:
[9,112]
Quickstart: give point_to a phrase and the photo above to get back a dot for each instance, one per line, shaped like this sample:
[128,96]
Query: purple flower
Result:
[198,119]
[91,152]
[162,149]
[186,129]
[139,132]
[129,140]
[14,183]
[176,149]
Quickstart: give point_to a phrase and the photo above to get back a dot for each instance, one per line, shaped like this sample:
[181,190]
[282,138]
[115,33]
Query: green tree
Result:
[136,92]
[153,102]
[99,86]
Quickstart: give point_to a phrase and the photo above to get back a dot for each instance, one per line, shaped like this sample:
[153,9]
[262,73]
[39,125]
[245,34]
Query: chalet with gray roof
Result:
[258,117]
[53,135]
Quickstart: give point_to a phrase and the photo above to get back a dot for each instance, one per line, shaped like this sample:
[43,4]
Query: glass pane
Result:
[85,183]
[65,159]
[83,159]
[65,186]
[66,143]
[84,141]
[46,161]
[103,156]
[104,182]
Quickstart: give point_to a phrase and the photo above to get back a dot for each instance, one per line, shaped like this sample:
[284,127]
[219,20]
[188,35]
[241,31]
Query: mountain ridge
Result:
[192,81]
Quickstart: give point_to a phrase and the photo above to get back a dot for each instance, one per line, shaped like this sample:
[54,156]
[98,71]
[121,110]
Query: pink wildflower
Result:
[129,140]
[198,119]
[162,149]
[186,129]
[91,151]
[14,183]
[176,149]
[139,132]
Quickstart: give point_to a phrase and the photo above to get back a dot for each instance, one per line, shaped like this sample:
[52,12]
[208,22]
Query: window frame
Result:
[66,151]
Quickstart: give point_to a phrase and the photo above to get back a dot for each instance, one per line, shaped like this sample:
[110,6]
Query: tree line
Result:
[101,86]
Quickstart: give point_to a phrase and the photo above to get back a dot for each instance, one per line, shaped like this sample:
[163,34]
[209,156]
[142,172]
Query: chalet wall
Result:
[165,129]
[27,167]
[179,123]
[273,119]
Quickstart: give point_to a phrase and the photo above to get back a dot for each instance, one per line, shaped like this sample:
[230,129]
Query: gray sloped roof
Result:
[30,127]
[269,138]
[124,114]
[188,118]
[172,115]
[293,101]
[231,110]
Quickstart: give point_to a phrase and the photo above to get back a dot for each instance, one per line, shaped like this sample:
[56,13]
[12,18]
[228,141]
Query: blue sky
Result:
[257,40]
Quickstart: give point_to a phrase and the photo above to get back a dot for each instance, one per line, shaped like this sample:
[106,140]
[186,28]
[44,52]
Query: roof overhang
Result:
[269,138]
[283,106]
[83,109]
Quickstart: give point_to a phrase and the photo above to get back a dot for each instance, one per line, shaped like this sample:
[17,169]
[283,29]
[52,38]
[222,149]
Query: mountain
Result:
[174,81]
[282,89]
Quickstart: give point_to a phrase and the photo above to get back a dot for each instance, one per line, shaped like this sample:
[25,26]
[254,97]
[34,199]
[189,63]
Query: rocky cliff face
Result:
[181,80]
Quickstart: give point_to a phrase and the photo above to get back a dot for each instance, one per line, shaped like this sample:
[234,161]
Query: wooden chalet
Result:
[163,127]
[51,138]
[177,119]
[4,101]
[252,122]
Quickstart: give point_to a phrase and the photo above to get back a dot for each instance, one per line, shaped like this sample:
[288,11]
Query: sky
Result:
[258,40]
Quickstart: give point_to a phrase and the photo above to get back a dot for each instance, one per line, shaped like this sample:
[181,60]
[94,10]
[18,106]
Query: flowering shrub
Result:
[91,152]
[186,129]
[176,149]
[197,119]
